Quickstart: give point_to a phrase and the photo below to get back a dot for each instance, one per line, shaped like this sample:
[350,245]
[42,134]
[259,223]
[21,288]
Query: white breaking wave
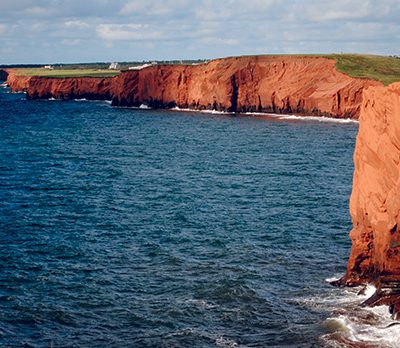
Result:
[276,116]
[202,304]
[304,118]
[176,108]
[377,329]
[216,112]
[318,118]
[356,324]
[225,342]
[332,279]
[93,100]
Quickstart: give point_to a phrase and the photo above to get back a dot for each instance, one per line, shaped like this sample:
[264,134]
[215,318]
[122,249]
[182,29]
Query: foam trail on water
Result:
[93,100]
[318,118]
[304,118]
[176,108]
[277,116]
[332,279]
[216,112]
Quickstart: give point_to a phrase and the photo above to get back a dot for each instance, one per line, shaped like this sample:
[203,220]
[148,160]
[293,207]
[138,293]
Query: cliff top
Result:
[63,73]
[380,68]
[385,69]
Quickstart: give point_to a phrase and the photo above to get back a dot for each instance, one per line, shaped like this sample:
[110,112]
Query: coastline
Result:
[235,86]
[279,85]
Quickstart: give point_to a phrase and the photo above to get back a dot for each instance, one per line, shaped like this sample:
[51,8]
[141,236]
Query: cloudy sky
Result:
[50,31]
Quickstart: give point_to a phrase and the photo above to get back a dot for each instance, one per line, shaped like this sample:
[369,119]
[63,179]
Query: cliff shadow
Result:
[3,75]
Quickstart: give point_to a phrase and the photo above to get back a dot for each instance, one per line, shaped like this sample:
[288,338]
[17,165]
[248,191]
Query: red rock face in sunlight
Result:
[375,199]
[67,88]
[299,85]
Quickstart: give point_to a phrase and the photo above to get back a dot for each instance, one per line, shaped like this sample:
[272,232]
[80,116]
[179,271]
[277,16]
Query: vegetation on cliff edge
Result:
[64,73]
[382,68]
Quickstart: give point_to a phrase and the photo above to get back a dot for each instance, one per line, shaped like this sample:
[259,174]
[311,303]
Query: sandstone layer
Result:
[281,84]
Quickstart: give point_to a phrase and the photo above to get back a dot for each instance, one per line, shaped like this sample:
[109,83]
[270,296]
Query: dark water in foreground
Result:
[138,228]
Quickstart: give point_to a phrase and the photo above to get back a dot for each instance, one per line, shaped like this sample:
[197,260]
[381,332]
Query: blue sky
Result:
[50,31]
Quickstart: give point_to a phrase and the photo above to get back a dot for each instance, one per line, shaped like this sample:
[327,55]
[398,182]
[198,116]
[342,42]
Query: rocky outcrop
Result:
[375,198]
[285,84]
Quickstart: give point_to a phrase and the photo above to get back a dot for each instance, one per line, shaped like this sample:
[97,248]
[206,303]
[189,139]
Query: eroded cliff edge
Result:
[281,84]
[375,198]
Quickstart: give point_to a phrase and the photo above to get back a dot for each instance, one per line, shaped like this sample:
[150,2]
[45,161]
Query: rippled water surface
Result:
[141,228]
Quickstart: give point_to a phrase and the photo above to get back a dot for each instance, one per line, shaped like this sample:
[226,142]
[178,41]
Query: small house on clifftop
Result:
[114,66]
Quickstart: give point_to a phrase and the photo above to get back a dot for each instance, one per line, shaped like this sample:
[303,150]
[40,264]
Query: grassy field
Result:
[381,68]
[63,73]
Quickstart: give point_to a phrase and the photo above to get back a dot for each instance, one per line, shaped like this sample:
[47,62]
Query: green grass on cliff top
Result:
[385,69]
[380,68]
[64,73]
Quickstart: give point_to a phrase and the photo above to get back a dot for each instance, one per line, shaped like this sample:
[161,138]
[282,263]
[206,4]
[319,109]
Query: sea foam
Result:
[303,118]
[356,324]
[216,112]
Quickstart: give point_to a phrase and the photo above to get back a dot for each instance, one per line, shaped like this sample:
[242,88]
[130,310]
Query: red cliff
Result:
[38,87]
[300,85]
[375,199]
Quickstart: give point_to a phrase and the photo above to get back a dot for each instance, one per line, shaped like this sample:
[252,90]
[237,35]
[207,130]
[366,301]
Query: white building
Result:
[113,66]
[49,67]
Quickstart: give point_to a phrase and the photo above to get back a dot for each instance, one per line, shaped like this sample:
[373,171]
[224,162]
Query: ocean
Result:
[146,228]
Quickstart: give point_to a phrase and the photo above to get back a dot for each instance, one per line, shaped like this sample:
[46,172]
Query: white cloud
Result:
[210,10]
[220,41]
[166,29]
[38,11]
[153,7]
[76,24]
[344,10]
[128,32]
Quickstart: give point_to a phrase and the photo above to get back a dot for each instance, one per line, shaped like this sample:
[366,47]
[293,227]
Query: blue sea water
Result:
[145,228]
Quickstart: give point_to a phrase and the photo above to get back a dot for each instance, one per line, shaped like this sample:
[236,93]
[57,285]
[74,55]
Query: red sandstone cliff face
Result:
[68,88]
[375,199]
[300,85]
